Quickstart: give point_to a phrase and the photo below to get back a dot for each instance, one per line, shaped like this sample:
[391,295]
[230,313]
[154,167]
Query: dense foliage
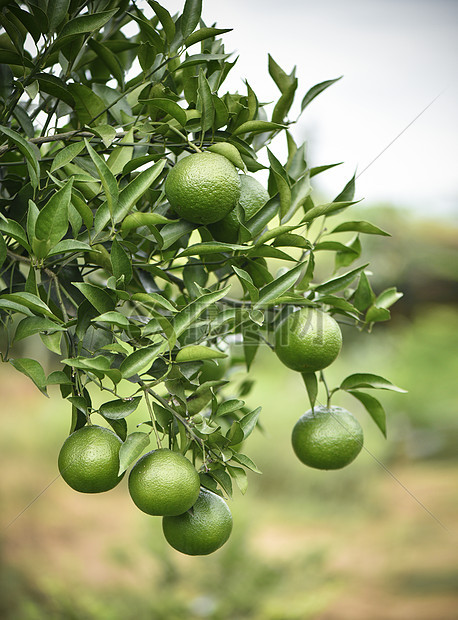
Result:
[98,100]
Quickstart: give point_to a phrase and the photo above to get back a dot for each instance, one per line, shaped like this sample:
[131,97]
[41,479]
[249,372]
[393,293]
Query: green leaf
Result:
[348,192]
[88,105]
[154,299]
[66,155]
[32,369]
[52,85]
[359,226]
[205,102]
[30,153]
[56,11]
[128,196]
[165,18]
[247,283]
[191,16]
[174,231]
[230,152]
[375,314]
[120,408]
[197,352]
[341,282]
[223,479]
[364,380]
[319,169]
[52,342]
[325,209]
[246,462]
[34,325]
[259,221]
[14,230]
[113,318]
[257,127]
[110,60]
[122,264]
[170,107]
[315,91]
[137,219]
[107,133]
[96,296]
[373,407]
[52,221]
[204,33]
[186,317]
[248,422]
[119,427]
[69,245]
[210,247]
[364,295]
[240,477]
[109,183]
[197,59]
[388,298]
[131,449]
[275,289]
[57,377]
[30,301]
[311,385]
[140,360]
[229,406]
[83,24]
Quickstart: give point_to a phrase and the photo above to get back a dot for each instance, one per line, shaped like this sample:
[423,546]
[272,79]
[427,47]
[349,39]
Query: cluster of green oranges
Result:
[161,483]
[206,189]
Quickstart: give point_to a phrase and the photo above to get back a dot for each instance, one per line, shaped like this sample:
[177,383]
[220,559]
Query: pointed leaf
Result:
[359,226]
[315,91]
[52,221]
[365,380]
[197,352]
[275,289]
[120,408]
[131,449]
[32,369]
[373,407]
[311,385]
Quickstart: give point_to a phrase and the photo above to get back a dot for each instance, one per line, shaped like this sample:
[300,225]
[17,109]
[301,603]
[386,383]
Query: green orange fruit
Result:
[327,438]
[89,460]
[308,340]
[203,187]
[164,482]
[201,530]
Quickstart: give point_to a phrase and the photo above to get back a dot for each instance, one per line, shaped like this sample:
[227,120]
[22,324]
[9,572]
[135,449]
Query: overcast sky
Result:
[396,56]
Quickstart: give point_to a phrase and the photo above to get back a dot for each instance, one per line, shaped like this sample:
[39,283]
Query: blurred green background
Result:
[375,540]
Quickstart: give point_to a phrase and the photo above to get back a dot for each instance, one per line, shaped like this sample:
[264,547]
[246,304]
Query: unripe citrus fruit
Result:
[253,196]
[164,482]
[203,188]
[308,340]
[327,438]
[201,530]
[89,460]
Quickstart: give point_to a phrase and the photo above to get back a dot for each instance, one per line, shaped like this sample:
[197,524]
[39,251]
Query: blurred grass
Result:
[306,544]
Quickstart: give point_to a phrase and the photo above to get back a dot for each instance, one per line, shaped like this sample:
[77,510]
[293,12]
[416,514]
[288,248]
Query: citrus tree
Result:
[154,240]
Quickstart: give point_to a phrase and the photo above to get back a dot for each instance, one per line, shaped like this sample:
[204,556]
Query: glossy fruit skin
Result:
[164,482]
[327,438]
[253,197]
[89,460]
[203,188]
[201,530]
[308,340]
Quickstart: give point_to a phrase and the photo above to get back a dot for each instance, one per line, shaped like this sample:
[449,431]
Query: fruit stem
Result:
[152,416]
[328,393]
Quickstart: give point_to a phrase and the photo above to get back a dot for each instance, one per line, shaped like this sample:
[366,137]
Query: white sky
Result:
[395,55]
